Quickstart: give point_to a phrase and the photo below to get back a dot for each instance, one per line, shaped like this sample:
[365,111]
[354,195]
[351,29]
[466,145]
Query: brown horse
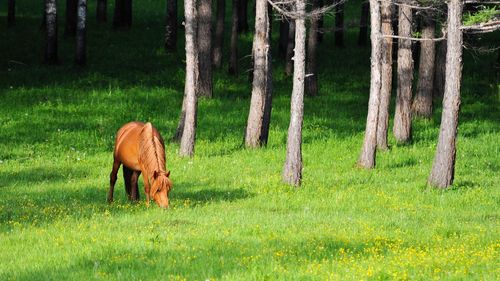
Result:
[140,148]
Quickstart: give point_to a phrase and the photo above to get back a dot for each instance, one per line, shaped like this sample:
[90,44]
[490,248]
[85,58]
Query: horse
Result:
[140,148]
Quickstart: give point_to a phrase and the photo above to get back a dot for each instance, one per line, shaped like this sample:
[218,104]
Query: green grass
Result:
[231,218]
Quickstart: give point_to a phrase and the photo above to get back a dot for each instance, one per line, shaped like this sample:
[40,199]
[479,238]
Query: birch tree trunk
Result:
[363,23]
[101,13]
[81,33]
[339,23]
[368,151]
[292,170]
[311,81]
[171,27]
[443,168]
[11,12]
[402,115]
[204,83]
[219,33]
[233,52]
[51,32]
[260,104]
[71,14]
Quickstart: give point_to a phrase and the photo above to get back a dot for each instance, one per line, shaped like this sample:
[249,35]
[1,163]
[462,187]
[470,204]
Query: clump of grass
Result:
[482,16]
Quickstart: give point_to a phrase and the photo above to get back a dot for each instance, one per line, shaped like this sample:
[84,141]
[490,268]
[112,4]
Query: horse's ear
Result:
[155,174]
[168,174]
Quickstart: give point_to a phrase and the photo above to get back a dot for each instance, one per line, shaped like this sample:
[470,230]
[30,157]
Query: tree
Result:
[204,33]
[402,115]
[81,30]
[283,37]
[321,22]
[386,86]
[363,23]
[368,151]
[219,34]
[51,34]
[443,167]
[190,99]
[171,26]
[70,27]
[440,69]
[339,23]
[289,48]
[123,14]
[243,16]
[259,116]
[292,169]
[311,80]
[422,103]
[233,51]
[101,12]
[11,12]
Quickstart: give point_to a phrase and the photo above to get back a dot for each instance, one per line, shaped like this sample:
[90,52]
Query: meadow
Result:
[230,216]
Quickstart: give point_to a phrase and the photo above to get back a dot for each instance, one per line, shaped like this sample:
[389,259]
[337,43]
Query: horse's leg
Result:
[134,188]
[112,179]
[146,188]
[127,176]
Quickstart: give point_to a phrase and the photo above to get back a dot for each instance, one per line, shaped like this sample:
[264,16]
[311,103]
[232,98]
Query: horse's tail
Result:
[151,149]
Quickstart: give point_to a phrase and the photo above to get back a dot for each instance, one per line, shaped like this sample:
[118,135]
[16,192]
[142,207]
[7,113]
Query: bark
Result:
[283,38]
[402,115]
[363,23]
[190,99]
[11,12]
[292,170]
[386,88]
[219,33]
[422,103]
[440,69]
[260,104]
[204,83]
[118,16]
[339,24]
[243,16]
[51,32]
[311,81]
[289,48]
[443,168]
[81,33]
[171,27]
[233,52]
[70,27]
[101,11]
[368,151]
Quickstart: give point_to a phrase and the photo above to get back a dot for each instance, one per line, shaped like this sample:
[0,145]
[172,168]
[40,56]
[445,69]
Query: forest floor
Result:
[231,218]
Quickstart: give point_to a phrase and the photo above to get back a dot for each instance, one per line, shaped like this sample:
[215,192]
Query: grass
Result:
[231,218]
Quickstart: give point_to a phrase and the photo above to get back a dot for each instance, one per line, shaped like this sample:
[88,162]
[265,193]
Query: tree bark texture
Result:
[292,170]
[233,51]
[71,14]
[283,37]
[311,80]
[11,12]
[190,99]
[368,151]
[204,83]
[171,27]
[363,23]
[422,103]
[243,16]
[289,48]
[260,104]
[402,115]
[219,33]
[51,32]
[386,88]
[101,11]
[81,33]
[443,168]
[440,69]
[339,24]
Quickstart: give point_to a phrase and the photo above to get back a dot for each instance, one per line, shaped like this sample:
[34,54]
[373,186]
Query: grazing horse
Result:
[140,148]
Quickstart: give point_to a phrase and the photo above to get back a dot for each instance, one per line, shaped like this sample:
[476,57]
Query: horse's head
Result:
[160,188]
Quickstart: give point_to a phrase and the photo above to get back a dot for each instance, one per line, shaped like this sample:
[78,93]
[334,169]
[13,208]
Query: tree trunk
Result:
[127,13]
[289,48]
[368,151]
[321,22]
[311,80]
[190,99]
[204,83]
[101,12]
[171,27]
[11,12]
[70,28]
[219,33]
[363,23]
[260,105]
[386,88]
[243,16]
[422,103]
[51,34]
[283,39]
[443,168]
[81,33]
[402,116]
[118,16]
[440,69]
[339,24]
[292,170]
[233,56]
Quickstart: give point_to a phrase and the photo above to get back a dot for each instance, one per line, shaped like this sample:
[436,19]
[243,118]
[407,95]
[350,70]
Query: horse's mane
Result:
[151,151]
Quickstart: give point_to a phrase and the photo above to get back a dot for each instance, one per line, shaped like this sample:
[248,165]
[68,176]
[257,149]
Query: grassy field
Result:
[231,218]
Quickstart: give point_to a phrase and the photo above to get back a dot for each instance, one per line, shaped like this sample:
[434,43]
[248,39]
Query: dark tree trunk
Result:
[51,34]
[440,69]
[402,116]
[11,12]
[443,168]
[260,105]
[233,56]
[292,169]
[190,99]
[219,33]
[283,39]
[171,27]
[369,149]
[81,33]
[289,48]
[70,28]
[118,16]
[243,16]
[321,22]
[101,11]
[204,83]
[127,13]
[339,24]
[363,23]
[386,88]
[311,80]
[422,103]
